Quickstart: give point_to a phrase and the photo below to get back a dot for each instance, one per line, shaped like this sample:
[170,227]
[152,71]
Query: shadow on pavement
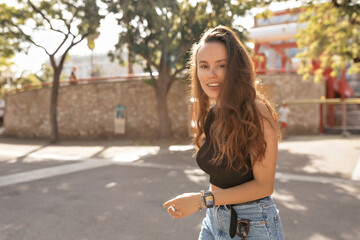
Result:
[318,211]
[114,202]
[125,202]
[303,164]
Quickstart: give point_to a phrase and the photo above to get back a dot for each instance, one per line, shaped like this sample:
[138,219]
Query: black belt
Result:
[239,227]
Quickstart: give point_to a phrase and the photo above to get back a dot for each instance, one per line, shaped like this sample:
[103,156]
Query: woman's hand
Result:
[183,205]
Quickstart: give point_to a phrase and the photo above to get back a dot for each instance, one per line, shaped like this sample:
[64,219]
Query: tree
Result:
[72,21]
[5,74]
[91,46]
[332,35]
[27,79]
[46,73]
[7,48]
[162,32]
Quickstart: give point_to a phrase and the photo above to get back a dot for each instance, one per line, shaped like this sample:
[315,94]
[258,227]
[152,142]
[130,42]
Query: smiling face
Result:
[211,67]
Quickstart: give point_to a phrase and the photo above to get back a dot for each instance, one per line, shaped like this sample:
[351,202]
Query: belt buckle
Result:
[243,228]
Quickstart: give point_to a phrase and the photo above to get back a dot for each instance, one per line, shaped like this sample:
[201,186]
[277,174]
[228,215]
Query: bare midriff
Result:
[214,188]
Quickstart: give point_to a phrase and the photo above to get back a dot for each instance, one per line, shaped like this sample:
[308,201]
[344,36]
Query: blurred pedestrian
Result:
[237,136]
[73,78]
[284,113]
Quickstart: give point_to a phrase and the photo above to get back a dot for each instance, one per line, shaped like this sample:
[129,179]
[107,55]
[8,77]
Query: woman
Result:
[236,136]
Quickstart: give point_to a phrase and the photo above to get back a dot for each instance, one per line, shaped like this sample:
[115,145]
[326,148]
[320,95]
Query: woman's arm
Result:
[261,186]
[264,171]
[184,205]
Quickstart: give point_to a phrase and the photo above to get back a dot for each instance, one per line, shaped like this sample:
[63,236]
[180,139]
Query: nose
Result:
[212,72]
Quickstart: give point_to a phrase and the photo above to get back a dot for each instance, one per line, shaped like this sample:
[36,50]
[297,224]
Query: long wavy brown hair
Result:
[237,131]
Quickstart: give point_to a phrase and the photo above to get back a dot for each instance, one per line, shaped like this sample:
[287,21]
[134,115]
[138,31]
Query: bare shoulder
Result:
[262,108]
[265,113]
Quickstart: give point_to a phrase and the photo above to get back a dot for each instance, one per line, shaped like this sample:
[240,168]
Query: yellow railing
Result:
[329,100]
[328,120]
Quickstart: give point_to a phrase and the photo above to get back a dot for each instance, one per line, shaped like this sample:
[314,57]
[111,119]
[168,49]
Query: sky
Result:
[36,56]
[109,31]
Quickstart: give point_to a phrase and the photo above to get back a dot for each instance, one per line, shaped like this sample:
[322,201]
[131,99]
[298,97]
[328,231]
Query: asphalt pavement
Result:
[114,189]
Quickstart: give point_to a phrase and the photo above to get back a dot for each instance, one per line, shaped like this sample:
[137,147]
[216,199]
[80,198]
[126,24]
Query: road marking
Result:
[356,173]
[96,163]
[124,154]
[51,172]
[181,148]
[37,155]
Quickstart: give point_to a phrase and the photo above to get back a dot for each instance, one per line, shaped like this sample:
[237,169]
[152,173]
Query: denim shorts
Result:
[265,223]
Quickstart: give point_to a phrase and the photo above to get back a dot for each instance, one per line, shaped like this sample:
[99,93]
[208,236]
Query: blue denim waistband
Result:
[264,200]
[233,217]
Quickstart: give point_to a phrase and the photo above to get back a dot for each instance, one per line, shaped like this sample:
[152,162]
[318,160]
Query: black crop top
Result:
[220,176]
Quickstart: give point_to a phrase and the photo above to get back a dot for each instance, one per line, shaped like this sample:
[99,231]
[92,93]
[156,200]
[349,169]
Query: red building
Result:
[275,50]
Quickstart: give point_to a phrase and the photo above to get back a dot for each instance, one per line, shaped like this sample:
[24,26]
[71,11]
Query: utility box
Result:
[119,119]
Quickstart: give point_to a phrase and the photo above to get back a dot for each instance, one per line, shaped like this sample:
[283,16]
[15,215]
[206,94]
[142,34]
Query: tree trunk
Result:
[130,62]
[164,130]
[162,88]
[92,63]
[130,43]
[54,138]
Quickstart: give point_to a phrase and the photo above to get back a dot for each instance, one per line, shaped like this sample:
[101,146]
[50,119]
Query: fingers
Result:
[174,213]
[168,204]
[171,208]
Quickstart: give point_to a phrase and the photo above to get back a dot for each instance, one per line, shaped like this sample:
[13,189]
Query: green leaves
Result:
[332,36]
[90,17]
[91,40]
[161,32]
[71,20]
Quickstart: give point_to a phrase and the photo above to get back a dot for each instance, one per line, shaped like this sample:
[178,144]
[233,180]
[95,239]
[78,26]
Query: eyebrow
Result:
[221,60]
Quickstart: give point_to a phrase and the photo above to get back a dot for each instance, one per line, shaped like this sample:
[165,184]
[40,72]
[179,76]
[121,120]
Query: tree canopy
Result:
[332,36]
[7,52]
[70,22]
[162,32]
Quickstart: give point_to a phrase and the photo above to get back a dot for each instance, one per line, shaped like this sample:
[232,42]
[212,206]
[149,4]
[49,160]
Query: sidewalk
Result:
[322,159]
[326,155]
[98,189]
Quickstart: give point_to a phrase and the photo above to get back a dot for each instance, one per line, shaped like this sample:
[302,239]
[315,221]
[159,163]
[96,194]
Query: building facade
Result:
[275,52]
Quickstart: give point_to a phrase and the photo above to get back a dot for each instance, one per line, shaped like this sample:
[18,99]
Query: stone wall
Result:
[88,110]
[304,118]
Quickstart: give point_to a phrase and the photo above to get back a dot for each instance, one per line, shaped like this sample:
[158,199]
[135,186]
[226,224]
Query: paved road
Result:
[105,190]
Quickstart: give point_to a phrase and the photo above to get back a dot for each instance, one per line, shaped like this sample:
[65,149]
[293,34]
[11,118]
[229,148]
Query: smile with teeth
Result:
[214,84]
